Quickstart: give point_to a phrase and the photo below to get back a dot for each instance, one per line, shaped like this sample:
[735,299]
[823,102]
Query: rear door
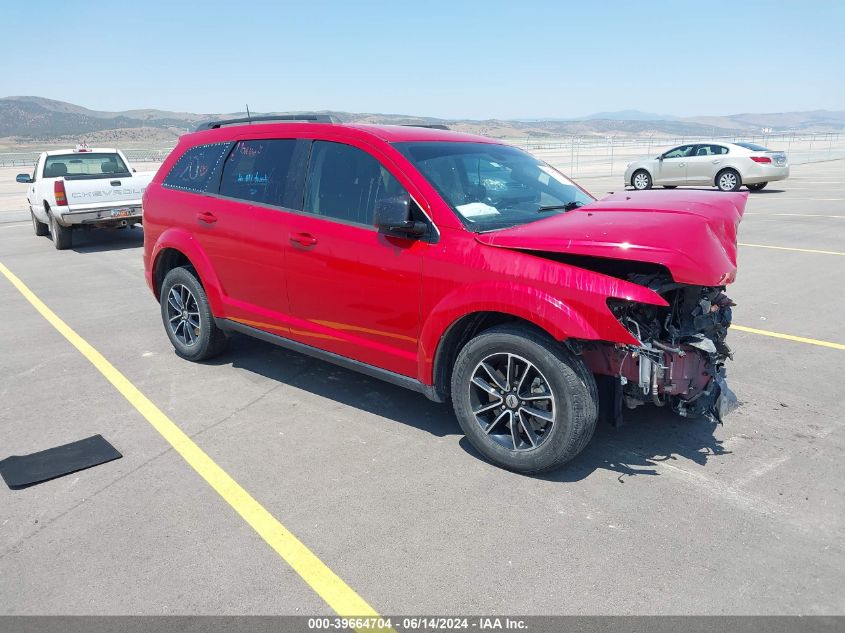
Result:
[705,161]
[353,291]
[672,170]
[242,227]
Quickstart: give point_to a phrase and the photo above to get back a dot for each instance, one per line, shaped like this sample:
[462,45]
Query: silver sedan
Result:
[727,166]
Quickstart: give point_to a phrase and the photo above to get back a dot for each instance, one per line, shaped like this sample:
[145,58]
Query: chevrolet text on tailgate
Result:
[450,264]
[83,188]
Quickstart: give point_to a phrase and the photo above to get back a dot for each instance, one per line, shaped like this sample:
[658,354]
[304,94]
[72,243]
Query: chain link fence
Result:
[586,156]
[582,156]
[28,159]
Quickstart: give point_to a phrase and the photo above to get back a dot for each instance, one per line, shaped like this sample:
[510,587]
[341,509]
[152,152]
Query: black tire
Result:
[41,229]
[670,186]
[728,180]
[641,180]
[757,186]
[573,405]
[208,340]
[62,235]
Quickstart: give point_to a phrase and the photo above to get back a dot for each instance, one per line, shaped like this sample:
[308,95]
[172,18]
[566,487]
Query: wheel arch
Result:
[638,170]
[174,249]
[449,327]
[729,167]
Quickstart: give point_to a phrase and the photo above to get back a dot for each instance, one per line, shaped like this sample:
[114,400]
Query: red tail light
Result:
[59,193]
[761,159]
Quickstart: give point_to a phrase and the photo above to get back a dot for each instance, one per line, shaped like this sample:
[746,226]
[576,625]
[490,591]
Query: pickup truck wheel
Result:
[62,235]
[187,316]
[522,400]
[40,228]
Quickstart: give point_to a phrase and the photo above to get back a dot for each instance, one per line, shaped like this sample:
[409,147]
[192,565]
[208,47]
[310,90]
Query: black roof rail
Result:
[290,118]
[430,126]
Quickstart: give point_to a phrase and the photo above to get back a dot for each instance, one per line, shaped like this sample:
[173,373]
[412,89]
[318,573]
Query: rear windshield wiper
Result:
[569,206]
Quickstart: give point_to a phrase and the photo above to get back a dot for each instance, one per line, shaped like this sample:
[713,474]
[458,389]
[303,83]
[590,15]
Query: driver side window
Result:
[679,152]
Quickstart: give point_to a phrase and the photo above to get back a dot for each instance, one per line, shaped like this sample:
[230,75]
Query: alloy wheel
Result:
[183,317]
[512,401]
[727,181]
[641,181]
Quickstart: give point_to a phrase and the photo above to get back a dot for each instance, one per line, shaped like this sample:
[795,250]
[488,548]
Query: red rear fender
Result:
[183,242]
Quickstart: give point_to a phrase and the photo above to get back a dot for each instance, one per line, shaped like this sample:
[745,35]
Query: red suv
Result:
[454,265]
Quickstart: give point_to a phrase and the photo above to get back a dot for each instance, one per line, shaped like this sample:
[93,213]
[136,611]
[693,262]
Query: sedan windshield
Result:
[491,186]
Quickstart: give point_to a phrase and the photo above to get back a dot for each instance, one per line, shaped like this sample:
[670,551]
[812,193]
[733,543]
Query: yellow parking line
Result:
[328,585]
[789,248]
[788,337]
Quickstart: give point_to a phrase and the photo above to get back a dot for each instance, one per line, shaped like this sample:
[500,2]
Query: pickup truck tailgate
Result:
[105,192]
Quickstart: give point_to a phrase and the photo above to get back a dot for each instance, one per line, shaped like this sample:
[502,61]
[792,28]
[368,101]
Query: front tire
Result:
[757,186]
[187,316]
[641,180]
[41,229]
[728,180]
[522,400]
[62,235]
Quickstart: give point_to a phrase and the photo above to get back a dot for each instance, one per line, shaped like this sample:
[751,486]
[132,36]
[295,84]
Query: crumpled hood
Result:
[691,233]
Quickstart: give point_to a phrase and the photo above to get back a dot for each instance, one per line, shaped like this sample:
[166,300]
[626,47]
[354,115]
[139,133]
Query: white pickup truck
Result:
[83,188]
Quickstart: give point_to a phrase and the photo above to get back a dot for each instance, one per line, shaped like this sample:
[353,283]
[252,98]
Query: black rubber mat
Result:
[21,471]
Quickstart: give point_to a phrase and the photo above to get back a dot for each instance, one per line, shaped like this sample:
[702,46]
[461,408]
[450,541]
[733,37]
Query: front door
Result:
[672,170]
[353,291]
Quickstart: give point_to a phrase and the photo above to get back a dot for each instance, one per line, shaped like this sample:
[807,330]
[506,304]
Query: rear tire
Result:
[538,418]
[41,229]
[757,186]
[728,180]
[641,180]
[62,235]
[187,316]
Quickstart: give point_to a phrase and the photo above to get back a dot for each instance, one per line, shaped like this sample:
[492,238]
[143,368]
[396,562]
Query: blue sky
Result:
[520,58]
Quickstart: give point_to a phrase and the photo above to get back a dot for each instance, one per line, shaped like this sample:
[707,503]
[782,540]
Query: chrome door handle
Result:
[682,164]
[716,162]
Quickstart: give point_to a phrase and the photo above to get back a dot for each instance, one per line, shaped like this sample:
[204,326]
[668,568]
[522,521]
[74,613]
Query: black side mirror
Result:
[24,179]
[660,157]
[393,217]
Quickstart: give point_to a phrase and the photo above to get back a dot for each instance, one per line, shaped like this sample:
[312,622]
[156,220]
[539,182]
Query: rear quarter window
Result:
[196,168]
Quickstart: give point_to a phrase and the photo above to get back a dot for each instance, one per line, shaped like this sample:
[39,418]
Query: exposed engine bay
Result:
[681,354]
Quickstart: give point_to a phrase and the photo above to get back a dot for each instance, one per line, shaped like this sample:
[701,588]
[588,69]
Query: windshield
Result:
[493,186]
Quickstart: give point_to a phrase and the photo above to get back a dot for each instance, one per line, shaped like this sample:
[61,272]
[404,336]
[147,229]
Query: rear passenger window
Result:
[195,168]
[345,183]
[260,171]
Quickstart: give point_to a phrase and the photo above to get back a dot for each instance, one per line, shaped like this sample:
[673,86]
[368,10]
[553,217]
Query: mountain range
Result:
[32,119]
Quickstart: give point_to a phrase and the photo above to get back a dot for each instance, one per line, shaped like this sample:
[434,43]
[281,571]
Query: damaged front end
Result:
[680,356]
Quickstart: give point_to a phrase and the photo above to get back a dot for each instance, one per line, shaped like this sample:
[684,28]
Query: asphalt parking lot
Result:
[661,516]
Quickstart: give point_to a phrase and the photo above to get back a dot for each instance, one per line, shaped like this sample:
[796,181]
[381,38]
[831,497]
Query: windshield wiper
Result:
[569,206]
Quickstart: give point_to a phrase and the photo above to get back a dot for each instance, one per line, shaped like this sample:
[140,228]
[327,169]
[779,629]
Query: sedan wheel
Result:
[641,180]
[728,180]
